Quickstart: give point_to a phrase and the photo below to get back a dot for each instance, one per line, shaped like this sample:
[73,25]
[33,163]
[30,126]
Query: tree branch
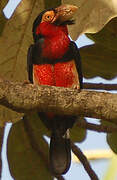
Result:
[29,98]
[100,86]
[96,127]
[76,150]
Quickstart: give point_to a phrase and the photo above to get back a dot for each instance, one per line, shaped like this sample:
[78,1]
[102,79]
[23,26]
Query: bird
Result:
[53,59]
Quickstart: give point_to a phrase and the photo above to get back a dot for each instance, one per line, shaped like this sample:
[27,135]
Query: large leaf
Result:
[7,115]
[3,20]
[112,141]
[14,42]
[107,37]
[3,3]
[52,3]
[28,151]
[26,145]
[92,15]
[98,60]
[2,17]
[111,137]
[16,38]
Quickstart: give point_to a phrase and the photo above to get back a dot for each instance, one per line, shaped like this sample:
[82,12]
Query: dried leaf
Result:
[3,3]
[52,3]
[3,20]
[6,115]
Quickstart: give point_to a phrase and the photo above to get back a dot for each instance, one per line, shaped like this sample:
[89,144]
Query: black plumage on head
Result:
[36,23]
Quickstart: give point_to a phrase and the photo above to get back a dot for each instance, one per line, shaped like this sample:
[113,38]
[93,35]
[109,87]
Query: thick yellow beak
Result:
[65,12]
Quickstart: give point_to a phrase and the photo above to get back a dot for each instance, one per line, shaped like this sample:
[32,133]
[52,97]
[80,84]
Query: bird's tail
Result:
[60,153]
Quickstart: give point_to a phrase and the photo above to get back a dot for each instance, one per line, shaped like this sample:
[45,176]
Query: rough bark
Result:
[29,98]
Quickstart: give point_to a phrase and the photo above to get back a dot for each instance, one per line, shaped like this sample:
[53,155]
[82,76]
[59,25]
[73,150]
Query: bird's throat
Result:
[55,47]
[56,41]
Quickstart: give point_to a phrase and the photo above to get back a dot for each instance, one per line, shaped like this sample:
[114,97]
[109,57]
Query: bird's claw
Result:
[26,82]
[76,86]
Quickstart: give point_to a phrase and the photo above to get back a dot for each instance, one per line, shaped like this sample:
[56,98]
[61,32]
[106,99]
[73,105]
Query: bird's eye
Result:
[48,16]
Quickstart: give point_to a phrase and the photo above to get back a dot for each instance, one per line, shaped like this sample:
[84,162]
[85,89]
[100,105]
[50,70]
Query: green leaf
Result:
[27,150]
[107,37]
[98,61]
[102,55]
[78,134]
[112,141]
[111,137]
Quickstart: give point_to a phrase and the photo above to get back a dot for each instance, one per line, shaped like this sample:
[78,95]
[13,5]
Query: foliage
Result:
[102,55]
[26,142]
[27,150]
[2,17]
[92,15]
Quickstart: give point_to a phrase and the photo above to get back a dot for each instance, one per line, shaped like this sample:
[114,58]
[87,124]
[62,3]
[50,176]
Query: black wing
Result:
[34,57]
[77,58]
[30,64]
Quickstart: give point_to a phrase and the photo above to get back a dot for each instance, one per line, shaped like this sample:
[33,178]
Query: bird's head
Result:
[51,20]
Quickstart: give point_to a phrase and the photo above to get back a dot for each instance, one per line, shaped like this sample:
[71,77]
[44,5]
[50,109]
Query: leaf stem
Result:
[100,86]
[96,127]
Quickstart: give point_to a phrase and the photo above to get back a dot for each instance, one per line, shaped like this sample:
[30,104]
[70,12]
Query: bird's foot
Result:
[76,86]
[26,82]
